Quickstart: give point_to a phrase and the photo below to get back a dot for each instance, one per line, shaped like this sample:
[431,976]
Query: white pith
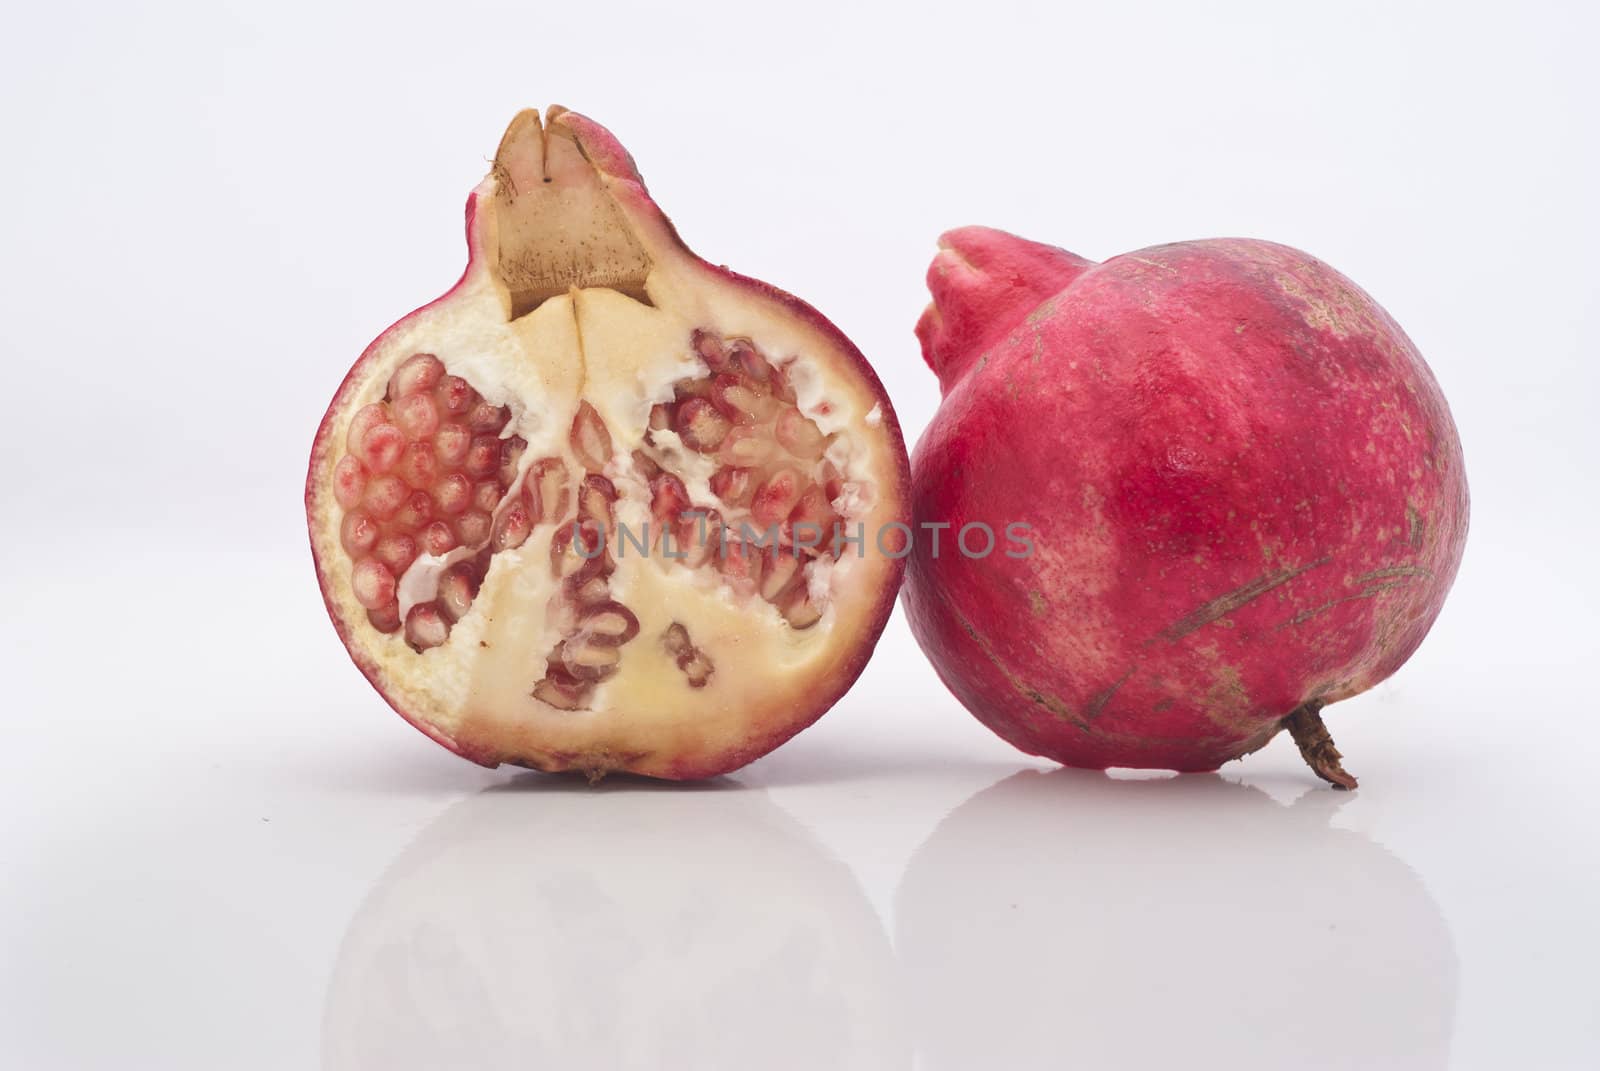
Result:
[622,356]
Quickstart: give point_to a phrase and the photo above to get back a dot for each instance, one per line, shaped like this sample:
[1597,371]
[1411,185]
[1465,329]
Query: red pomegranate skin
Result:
[1245,492]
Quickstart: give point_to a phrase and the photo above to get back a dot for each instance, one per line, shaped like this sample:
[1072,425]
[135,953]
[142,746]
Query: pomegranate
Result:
[604,506]
[1235,491]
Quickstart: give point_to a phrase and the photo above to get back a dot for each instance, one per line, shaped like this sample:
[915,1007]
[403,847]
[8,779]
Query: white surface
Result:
[221,850]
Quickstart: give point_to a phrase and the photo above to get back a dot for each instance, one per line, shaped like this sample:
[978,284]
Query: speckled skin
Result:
[1244,485]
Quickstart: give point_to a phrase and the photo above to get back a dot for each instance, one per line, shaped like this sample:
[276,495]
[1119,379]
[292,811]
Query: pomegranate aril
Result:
[438,539]
[676,640]
[732,484]
[349,480]
[740,565]
[832,481]
[776,497]
[545,490]
[455,396]
[689,658]
[458,586]
[484,417]
[451,444]
[512,528]
[590,439]
[366,418]
[709,348]
[589,661]
[396,552]
[684,389]
[416,512]
[697,668]
[561,690]
[420,372]
[609,623]
[668,498]
[746,447]
[577,549]
[486,495]
[661,416]
[781,568]
[587,590]
[372,584]
[381,448]
[511,451]
[798,609]
[701,426]
[798,435]
[743,356]
[384,496]
[698,538]
[595,496]
[741,399]
[472,528]
[426,627]
[418,465]
[453,494]
[483,457]
[358,534]
[645,465]
[385,618]
[417,415]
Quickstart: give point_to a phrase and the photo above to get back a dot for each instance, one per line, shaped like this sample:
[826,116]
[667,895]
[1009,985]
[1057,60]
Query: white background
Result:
[221,850]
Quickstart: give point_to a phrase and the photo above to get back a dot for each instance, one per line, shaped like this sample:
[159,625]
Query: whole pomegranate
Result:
[1233,490]
[604,506]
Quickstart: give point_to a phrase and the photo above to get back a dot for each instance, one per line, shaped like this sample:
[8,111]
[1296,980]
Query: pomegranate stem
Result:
[1316,745]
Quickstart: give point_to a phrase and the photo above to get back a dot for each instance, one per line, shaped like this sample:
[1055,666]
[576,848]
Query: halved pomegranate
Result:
[604,506]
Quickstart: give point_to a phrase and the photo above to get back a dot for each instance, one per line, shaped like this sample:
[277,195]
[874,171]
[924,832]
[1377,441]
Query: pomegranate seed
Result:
[417,416]
[741,400]
[799,436]
[384,496]
[458,586]
[426,627]
[416,513]
[420,372]
[512,528]
[545,489]
[349,480]
[455,395]
[699,538]
[701,426]
[485,495]
[366,418]
[511,451]
[676,640]
[746,447]
[372,583]
[451,444]
[732,485]
[832,481]
[774,499]
[473,527]
[697,668]
[385,618]
[438,539]
[684,389]
[381,448]
[708,347]
[453,494]
[358,534]
[576,550]
[782,567]
[591,442]
[660,417]
[418,467]
[609,624]
[396,552]
[483,456]
[488,418]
